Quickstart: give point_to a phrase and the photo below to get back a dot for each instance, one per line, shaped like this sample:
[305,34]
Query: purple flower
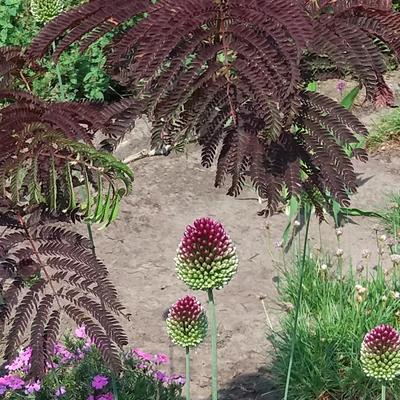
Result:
[80,332]
[22,361]
[160,376]
[60,391]
[12,382]
[90,397]
[99,382]
[380,353]
[142,355]
[107,396]
[161,359]
[64,354]
[32,387]
[206,257]
[341,86]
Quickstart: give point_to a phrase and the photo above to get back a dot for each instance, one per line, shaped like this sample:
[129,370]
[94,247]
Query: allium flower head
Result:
[380,353]
[45,10]
[187,323]
[206,256]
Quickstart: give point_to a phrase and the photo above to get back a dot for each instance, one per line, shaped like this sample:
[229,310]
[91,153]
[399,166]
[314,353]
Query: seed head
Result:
[206,256]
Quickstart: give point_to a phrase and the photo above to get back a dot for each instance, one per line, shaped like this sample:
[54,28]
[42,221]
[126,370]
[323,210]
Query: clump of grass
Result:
[386,130]
[391,217]
[334,317]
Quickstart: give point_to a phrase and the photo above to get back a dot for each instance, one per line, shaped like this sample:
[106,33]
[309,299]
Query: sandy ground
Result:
[139,248]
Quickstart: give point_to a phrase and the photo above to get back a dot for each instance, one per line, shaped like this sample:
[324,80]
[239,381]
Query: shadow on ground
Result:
[255,386]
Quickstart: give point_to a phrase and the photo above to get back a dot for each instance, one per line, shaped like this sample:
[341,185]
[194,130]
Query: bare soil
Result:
[139,249]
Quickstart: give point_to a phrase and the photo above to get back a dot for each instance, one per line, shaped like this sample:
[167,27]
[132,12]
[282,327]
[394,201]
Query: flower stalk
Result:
[214,352]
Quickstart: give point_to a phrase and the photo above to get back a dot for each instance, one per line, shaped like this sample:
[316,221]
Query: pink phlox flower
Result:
[90,397]
[161,359]
[22,361]
[106,396]
[142,355]
[80,332]
[61,351]
[12,382]
[32,387]
[60,391]
[99,382]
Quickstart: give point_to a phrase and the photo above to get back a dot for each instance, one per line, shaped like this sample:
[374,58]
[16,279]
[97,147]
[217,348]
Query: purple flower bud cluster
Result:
[206,257]
[187,323]
[380,353]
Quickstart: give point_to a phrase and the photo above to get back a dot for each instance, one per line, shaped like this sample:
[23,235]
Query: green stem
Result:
[298,303]
[58,73]
[187,373]
[383,396]
[214,357]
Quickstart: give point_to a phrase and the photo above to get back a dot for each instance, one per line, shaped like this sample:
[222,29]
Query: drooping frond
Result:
[38,167]
[229,73]
[51,271]
[12,61]
[344,32]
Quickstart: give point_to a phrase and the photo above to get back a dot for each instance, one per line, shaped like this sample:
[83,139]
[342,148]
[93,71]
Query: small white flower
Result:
[339,252]
[324,267]
[395,258]
[366,253]
[339,232]
[382,238]
[296,223]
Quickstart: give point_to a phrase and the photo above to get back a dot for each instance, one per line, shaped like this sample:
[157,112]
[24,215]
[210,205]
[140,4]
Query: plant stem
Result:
[58,73]
[214,357]
[298,302]
[90,233]
[383,396]
[187,373]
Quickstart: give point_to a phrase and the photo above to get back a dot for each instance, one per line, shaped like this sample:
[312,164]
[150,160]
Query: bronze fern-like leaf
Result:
[68,279]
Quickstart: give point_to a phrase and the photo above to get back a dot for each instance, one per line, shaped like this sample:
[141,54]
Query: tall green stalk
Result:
[187,383]
[383,395]
[214,356]
[307,213]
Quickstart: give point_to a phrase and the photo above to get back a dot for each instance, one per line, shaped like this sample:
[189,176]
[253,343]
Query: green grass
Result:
[386,130]
[391,218]
[332,325]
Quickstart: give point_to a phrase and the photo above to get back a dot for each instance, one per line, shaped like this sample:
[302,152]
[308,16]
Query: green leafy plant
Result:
[386,130]
[84,75]
[335,315]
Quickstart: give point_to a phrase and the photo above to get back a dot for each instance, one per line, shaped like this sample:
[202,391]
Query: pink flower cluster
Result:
[148,361]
